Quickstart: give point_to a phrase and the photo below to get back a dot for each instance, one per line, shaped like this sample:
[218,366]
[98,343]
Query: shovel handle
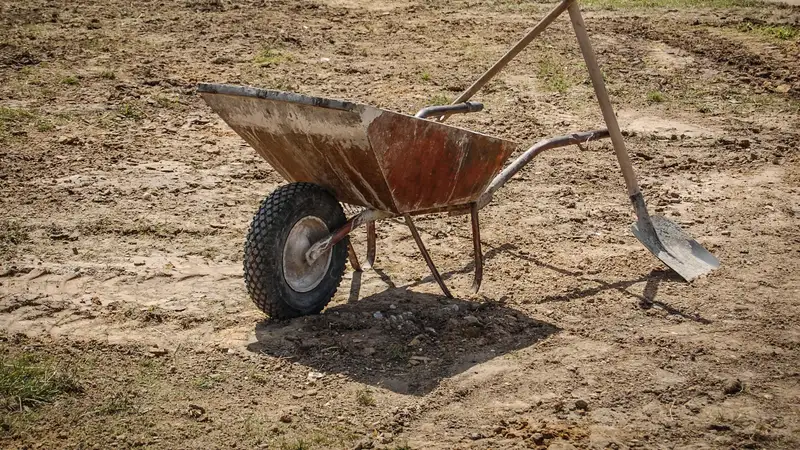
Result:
[602,97]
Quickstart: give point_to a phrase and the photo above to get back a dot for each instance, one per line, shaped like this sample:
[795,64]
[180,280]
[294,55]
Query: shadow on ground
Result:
[408,349]
[408,341]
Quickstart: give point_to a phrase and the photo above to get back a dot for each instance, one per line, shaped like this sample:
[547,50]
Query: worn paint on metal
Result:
[366,156]
[429,165]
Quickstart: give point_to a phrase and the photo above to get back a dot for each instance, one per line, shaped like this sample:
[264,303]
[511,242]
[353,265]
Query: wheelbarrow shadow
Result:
[408,349]
[646,300]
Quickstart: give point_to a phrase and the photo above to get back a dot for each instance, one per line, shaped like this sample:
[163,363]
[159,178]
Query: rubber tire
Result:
[263,250]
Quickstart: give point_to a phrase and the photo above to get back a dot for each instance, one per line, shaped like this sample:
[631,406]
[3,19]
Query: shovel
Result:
[662,237]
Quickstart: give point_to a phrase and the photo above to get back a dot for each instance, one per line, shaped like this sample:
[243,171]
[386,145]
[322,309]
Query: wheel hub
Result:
[299,274]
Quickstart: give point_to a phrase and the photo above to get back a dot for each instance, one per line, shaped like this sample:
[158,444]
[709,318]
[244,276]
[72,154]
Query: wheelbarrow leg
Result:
[371,238]
[476,242]
[425,255]
[351,255]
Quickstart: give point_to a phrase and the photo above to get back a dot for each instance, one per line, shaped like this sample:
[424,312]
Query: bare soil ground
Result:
[125,201]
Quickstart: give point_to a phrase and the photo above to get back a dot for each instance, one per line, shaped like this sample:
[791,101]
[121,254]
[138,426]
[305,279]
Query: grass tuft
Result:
[108,75]
[11,235]
[70,80]
[269,56]
[655,97]
[12,117]
[365,398]
[130,111]
[552,73]
[27,382]
[780,32]
[438,100]
[630,4]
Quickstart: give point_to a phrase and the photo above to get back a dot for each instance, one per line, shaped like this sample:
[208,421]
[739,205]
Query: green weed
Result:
[655,97]
[27,382]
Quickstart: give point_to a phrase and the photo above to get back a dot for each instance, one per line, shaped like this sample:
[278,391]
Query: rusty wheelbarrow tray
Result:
[392,165]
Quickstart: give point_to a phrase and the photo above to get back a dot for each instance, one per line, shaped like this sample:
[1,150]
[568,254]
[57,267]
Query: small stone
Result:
[744,143]
[378,315]
[369,351]
[430,330]
[392,306]
[472,320]
[387,438]
[417,341]
[147,196]
[286,418]
[450,308]
[475,436]
[155,351]
[538,438]
[733,387]
[582,405]
[314,376]
[69,140]
[296,395]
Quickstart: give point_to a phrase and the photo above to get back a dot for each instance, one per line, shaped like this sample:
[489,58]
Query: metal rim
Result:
[298,273]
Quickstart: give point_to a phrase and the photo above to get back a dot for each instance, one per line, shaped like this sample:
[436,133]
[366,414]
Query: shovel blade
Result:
[674,247]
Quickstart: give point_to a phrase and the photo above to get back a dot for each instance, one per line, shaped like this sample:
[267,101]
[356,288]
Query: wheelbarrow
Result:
[390,165]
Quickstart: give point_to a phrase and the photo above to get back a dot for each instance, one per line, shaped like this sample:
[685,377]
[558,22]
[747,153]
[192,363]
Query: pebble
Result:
[449,308]
[582,405]
[475,436]
[472,320]
[378,315]
[155,351]
[417,340]
[313,376]
[69,140]
[286,418]
[733,387]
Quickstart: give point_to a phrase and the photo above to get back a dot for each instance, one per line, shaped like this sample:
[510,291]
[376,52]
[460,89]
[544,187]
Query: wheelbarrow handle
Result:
[446,110]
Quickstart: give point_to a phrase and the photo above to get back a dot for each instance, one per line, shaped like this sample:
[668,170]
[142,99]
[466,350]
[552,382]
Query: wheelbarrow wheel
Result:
[278,278]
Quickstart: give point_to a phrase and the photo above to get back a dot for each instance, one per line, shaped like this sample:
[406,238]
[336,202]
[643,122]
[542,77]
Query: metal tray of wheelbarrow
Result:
[365,155]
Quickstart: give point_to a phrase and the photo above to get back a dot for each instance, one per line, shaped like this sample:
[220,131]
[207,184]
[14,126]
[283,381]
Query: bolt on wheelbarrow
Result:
[394,165]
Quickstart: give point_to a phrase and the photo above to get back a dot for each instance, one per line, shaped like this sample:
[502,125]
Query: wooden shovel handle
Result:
[602,97]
